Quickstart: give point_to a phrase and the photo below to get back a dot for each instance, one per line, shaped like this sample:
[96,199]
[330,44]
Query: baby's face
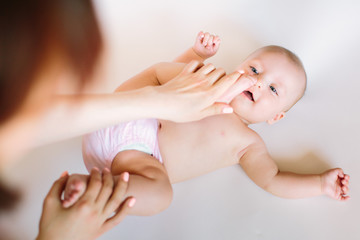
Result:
[279,83]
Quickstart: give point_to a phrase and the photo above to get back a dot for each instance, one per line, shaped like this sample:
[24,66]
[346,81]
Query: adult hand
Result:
[192,95]
[88,218]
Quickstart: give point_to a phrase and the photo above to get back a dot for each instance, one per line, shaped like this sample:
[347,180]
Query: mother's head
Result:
[39,41]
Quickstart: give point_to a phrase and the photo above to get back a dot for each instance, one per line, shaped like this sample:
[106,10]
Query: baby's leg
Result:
[75,188]
[148,183]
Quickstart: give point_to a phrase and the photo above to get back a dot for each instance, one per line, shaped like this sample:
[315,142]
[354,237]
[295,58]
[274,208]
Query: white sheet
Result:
[321,131]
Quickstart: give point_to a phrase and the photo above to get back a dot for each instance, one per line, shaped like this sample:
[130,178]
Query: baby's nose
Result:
[253,80]
[259,83]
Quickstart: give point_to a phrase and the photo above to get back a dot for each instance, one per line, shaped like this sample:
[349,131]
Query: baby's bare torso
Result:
[195,148]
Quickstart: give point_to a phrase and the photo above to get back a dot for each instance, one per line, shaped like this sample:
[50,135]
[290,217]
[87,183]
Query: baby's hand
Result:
[335,184]
[206,45]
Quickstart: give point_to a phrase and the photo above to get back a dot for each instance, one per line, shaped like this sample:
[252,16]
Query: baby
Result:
[155,153]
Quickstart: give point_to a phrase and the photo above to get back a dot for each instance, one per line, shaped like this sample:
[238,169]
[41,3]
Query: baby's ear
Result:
[277,118]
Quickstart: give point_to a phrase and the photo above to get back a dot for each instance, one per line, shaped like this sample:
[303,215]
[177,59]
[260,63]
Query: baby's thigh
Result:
[139,163]
[148,183]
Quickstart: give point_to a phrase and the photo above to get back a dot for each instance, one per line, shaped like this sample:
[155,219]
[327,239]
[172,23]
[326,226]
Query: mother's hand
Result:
[192,95]
[88,218]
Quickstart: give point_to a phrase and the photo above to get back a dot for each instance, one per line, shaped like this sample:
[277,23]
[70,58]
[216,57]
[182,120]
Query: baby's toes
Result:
[73,192]
[72,198]
[77,185]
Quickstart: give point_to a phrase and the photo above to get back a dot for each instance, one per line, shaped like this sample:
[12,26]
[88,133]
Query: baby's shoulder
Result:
[234,129]
[249,135]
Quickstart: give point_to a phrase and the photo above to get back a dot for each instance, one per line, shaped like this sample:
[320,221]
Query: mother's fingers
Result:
[208,68]
[94,186]
[215,75]
[118,194]
[120,214]
[57,189]
[191,67]
[216,108]
[224,84]
[107,187]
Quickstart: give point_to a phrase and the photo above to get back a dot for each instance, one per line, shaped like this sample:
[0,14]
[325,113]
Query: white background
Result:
[320,132]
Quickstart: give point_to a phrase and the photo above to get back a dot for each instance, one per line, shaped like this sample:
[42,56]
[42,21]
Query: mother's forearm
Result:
[75,115]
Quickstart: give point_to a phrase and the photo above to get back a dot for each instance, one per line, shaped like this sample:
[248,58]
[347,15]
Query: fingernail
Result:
[96,169]
[106,170]
[132,202]
[126,176]
[228,110]
[64,174]
[241,71]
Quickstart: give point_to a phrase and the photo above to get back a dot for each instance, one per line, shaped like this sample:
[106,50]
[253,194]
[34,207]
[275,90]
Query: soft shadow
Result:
[310,162]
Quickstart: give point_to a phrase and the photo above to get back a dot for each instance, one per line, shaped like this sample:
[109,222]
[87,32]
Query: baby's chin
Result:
[247,117]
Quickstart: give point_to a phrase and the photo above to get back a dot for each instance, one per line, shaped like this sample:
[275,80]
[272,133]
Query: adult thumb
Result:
[217,108]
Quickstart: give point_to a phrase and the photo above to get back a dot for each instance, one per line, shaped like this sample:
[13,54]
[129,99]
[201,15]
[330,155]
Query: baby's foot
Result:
[74,189]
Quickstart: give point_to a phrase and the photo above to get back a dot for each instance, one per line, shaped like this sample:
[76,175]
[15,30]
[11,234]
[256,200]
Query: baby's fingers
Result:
[344,190]
[206,39]
[200,36]
[339,172]
[345,182]
[346,178]
[217,40]
[210,42]
[344,198]
[216,43]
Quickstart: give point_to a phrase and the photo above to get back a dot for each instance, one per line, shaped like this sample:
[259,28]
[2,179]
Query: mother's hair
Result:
[34,32]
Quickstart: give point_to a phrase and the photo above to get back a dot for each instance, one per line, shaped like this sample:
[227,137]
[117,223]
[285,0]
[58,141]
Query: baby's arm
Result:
[261,168]
[206,45]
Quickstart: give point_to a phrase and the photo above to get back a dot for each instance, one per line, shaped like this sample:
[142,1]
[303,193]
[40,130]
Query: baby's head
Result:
[280,82]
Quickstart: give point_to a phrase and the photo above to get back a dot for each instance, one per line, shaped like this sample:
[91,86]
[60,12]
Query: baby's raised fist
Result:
[335,184]
[206,45]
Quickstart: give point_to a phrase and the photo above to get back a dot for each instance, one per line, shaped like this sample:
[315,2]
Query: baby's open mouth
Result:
[249,95]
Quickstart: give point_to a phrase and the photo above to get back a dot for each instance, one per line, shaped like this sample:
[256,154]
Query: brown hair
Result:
[9,197]
[31,32]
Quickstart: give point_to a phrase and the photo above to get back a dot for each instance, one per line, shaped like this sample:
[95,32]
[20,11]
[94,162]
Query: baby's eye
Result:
[254,70]
[273,90]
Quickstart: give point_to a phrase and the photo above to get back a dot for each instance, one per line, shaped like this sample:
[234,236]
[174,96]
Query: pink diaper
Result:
[100,148]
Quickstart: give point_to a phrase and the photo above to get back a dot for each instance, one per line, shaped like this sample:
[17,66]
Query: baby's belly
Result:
[191,149]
